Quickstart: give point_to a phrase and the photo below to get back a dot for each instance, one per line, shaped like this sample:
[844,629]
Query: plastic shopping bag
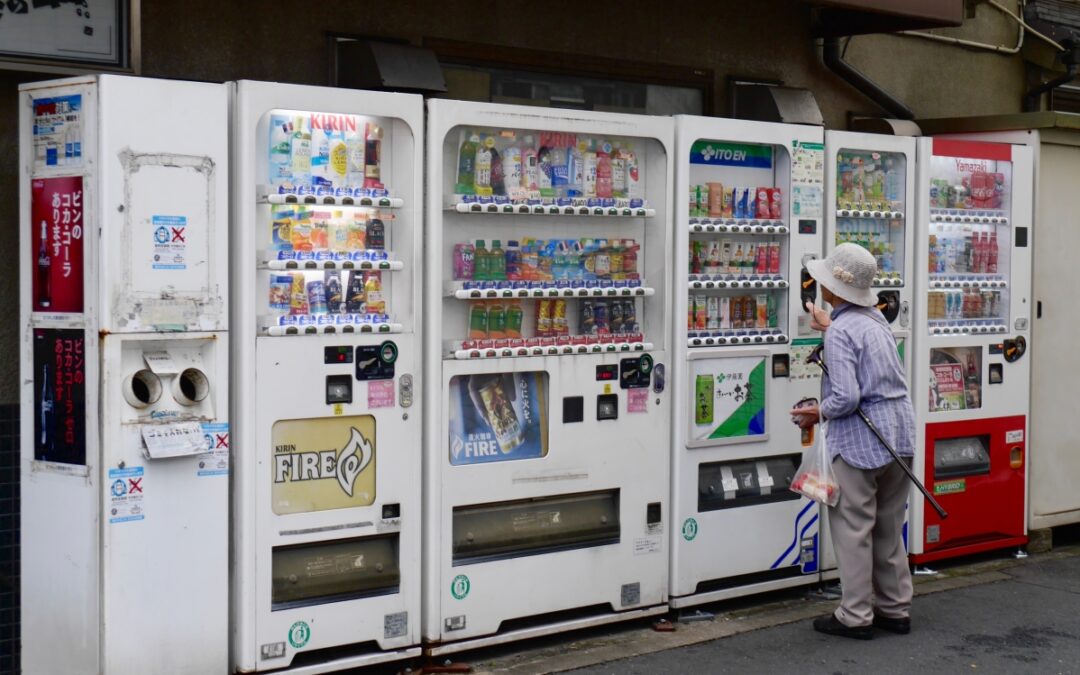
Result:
[815,478]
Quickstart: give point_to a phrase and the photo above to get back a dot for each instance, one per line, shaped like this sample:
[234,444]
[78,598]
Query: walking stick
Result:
[817,358]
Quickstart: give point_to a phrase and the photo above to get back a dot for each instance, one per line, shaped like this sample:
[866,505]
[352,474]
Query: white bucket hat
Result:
[848,272]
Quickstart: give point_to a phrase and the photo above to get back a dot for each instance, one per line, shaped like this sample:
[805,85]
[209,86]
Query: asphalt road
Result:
[1028,622]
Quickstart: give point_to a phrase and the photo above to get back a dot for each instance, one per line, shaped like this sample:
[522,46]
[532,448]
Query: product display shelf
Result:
[735,281]
[973,216]
[966,326]
[710,338]
[301,265]
[737,226]
[464,290]
[973,281]
[868,213]
[510,209]
[269,195]
[517,348]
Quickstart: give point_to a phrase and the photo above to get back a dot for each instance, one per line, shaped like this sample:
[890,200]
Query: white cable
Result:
[1022,27]
[1028,28]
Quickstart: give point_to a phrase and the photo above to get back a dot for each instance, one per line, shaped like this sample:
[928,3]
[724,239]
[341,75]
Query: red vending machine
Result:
[973,313]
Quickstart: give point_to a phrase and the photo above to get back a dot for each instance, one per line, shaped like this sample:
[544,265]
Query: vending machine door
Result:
[975,469]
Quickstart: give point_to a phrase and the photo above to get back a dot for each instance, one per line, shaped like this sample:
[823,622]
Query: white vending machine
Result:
[547,428]
[972,324]
[326,272]
[124,365]
[749,214]
[870,201]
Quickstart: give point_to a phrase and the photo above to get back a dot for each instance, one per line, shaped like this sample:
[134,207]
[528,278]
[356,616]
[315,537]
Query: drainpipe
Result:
[1071,58]
[830,53]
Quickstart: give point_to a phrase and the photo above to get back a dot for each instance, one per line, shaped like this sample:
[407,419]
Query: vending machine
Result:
[972,319]
[124,376]
[749,214]
[326,270]
[546,443]
[870,199]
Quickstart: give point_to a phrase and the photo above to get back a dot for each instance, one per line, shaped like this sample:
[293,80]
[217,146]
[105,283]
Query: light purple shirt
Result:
[865,370]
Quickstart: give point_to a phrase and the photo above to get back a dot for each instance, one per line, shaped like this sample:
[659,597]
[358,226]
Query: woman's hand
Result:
[806,417]
[819,318]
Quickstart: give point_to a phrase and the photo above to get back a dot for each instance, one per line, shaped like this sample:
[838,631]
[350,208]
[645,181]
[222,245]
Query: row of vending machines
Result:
[313,380]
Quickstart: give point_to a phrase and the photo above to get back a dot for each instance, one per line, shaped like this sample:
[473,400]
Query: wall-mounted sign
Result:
[80,31]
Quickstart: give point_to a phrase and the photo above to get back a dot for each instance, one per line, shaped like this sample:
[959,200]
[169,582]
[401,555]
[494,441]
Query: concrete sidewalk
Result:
[995,614]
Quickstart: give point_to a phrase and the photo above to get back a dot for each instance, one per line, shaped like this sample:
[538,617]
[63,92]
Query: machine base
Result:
[540,631]
[348,662]
[969,549]
[751,589]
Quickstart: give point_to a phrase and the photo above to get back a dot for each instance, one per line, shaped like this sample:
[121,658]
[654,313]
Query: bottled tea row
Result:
[547,260]
[497,319]
[716,200]
[739,312]
[731,257]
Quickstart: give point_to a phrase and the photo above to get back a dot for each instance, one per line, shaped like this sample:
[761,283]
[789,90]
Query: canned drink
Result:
[761,264]
[616,316]
[761,305]
[700,316]
[559,324]
[500,415]
[543,318]
[600,317]
[737,313]
[725,313]
[774,258]
[749,312]
[588,322]
[703,399]
[629,316]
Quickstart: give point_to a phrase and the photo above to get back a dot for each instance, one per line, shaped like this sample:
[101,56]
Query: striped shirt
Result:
[865,370]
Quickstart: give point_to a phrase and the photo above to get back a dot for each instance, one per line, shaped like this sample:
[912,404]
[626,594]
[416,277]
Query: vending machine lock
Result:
[405,390]
[338,389]
[376,362]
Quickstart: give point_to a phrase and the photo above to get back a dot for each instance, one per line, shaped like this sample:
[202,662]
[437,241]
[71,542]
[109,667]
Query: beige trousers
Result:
[866,526]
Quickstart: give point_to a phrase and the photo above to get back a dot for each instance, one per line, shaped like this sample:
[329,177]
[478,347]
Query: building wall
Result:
[764,39]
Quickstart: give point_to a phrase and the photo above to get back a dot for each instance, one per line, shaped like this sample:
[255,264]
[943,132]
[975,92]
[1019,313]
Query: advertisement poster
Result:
[60,396]
[323,463]
[126,492]
[498,417]
[56,240]
[955,378]
[58,132]
[729,399]
[946,387]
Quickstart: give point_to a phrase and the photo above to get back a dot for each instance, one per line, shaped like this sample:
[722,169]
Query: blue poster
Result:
[496,417]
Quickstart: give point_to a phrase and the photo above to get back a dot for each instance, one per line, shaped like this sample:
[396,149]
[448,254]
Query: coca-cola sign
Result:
[56,236]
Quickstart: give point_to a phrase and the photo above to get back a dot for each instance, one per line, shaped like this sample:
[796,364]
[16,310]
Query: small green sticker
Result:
[689,529]
[460,586]
[950,487]
[299,634]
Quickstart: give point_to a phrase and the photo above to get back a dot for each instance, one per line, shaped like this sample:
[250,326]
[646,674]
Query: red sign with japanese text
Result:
[60,395]
[56,237]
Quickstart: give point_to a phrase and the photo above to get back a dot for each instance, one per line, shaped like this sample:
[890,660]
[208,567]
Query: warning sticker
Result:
[380,394]
[126,495]
[215,462]
[644,545]
[637,401]
[170,242]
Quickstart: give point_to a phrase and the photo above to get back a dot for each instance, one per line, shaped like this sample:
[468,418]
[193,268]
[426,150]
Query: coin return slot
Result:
[607,407]
[338,389]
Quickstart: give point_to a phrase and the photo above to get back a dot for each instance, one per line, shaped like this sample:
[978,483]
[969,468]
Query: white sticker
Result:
[730,484]
[174,439]
[126,495]
[215,462]
[160,363]
[765,480]
[654,528]
[646,545]
[1014,436]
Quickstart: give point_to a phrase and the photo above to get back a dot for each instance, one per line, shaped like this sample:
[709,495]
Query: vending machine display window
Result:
[870,197]
[738,243]
[725,485]
[534,526]
[322,572]
[967,456]
[970,236]
[328,248]
[955,378]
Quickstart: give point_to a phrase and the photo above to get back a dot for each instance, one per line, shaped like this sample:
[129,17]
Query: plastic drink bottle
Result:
[530,166]
[496,261]
[466,166]
[604,181]
[482,260]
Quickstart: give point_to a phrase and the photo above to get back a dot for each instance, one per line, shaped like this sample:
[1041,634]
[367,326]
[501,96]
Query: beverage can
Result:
[376,235]
[280,288]
[761,305]
[544,317]
[298,300]
[464,261]
[334,295]
[558,318]
[354,296]
[500,414]
[588,322]
[600,317]
[703,399]
[616,316]
[629,316]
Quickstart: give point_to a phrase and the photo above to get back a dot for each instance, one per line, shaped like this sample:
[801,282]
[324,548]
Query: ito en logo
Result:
[299,634]
[689,529]
[460,586]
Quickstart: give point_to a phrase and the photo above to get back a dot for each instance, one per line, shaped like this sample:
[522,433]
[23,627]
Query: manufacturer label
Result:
[689,529]
[1015,436]
[950,486]
[395,625]
[646,545]
[459,587]
[630,594]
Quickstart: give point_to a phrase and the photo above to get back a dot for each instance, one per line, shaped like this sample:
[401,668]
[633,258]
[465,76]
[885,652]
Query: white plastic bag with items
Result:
[815,478]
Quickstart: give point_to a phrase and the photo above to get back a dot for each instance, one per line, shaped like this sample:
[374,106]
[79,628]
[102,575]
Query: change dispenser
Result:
[125,435]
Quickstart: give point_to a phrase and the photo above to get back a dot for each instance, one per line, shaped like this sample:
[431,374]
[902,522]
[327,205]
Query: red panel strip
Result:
[998,152]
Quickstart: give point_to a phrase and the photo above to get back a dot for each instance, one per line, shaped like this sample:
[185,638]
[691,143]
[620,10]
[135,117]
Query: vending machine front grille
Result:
[485,532]
[746,482]
[322,572]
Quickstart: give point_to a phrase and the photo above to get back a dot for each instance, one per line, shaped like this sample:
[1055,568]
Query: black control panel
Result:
[376,362]
[636,372]
[337,354]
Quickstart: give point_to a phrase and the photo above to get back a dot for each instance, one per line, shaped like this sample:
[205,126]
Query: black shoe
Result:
[900,626]
[830,625]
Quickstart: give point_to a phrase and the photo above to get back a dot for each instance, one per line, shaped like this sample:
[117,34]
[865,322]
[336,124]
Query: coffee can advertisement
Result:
[323,463]
[496,417]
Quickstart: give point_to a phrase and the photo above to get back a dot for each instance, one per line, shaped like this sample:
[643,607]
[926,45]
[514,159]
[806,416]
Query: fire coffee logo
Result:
[344,465]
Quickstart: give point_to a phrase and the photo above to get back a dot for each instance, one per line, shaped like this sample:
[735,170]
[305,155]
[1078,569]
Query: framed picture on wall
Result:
[93,33]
